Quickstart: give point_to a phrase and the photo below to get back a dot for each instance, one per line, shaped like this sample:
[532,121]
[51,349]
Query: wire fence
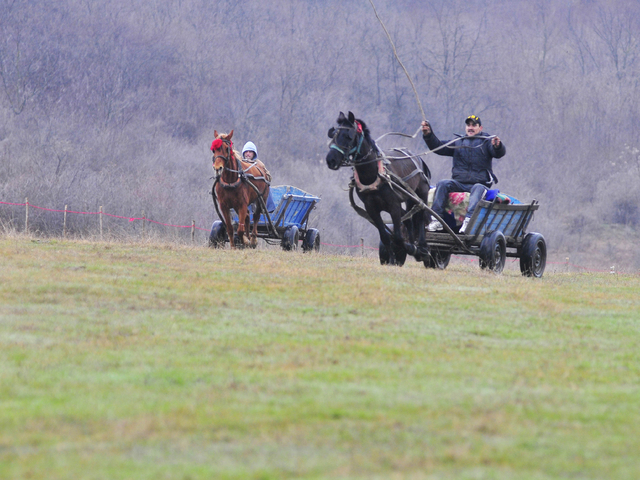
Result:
[63,224]
[144,222]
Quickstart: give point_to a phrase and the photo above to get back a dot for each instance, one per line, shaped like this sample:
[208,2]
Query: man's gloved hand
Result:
[426,128]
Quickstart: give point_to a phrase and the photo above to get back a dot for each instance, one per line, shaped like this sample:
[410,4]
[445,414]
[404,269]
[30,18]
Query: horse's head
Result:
[222,149]
[346,145]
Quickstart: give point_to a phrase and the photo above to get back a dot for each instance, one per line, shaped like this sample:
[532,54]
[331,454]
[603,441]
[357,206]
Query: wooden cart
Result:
[286,225]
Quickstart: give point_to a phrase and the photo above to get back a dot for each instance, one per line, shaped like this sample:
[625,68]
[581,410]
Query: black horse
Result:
[380,180]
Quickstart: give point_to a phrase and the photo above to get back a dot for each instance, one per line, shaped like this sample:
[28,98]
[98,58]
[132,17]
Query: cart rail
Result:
[495,231]
[287,224]
[511,219]
[293,207]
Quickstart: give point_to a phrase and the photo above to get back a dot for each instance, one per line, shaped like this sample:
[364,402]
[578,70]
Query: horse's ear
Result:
[331,132]
[341,118]
[352,118]
[215,134]
[230,135]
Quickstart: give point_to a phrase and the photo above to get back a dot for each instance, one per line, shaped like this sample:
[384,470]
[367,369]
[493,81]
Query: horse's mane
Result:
[367,135]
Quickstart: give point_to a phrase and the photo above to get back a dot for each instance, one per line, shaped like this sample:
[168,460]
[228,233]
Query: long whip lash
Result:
[395,53]
[415,92]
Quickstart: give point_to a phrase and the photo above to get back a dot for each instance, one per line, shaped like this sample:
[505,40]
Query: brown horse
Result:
[237,185]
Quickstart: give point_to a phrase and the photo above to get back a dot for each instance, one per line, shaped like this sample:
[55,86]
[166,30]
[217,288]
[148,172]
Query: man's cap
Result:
[474,119]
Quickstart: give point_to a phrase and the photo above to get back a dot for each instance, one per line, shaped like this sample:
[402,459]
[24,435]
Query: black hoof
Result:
[421,253]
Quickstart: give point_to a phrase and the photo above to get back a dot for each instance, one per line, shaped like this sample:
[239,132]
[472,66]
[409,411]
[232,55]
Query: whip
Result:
[395,53]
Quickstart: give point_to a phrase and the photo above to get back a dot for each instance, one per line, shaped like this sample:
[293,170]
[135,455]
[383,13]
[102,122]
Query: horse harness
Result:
[352,152]
[243,175]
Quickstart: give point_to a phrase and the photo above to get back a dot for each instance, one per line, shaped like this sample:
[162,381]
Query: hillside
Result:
[114,104]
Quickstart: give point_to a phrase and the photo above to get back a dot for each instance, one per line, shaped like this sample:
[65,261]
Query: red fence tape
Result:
[349,246]
[133,219]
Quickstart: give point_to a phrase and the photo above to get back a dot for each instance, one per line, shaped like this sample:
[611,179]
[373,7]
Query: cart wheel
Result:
[311,241]
[437,259]
[218,235]
[493,252]
[290,238]
[533,255]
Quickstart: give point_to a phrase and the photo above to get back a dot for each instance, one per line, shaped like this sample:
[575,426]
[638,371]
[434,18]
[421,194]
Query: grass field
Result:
[170,362]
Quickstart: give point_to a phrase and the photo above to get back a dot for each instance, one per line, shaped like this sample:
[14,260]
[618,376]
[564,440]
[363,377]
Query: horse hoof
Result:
[421,253]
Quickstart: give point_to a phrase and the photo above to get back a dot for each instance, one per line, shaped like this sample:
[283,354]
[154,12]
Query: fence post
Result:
[26,218]
[362,245]
[193,231]
[144,221]
[100,213]
[64,223]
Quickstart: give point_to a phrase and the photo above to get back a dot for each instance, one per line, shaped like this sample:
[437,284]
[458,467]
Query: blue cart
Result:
[495,231]
[286,225]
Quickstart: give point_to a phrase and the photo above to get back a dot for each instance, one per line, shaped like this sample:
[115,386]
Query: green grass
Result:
[156,361]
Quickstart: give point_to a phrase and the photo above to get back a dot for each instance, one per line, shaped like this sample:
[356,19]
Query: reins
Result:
[351,154]
[243,176]
[241,172]
[444,145]
[354,151]
[227,162]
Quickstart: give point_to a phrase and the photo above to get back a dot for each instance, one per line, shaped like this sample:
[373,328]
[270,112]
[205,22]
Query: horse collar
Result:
[375,185]
[239,171]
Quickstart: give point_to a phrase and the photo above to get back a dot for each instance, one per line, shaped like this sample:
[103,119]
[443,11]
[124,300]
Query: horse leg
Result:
[410,226]
[254,231]
[394,243]
[385,237]
[226,214]
[243,225]
[421,219]
[417,223]
[400,247]
[247,227]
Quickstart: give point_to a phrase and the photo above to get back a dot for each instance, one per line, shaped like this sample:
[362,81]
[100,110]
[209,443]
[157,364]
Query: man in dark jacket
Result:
[472,170]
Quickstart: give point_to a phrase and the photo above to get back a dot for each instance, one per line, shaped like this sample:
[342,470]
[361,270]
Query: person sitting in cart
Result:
[250,154]
[472,166]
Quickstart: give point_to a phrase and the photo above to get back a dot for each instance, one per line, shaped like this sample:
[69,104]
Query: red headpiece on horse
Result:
[236,187]
[217,144]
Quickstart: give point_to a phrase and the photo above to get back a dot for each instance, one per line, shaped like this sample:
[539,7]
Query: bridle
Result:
[216,145]
[351,152]
[352,155]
